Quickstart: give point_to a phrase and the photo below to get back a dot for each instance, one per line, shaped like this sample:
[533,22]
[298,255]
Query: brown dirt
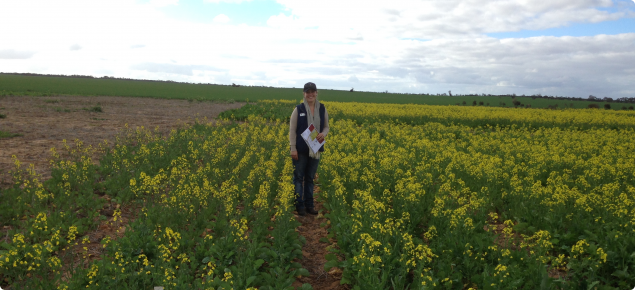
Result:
[44,122]
[313,252]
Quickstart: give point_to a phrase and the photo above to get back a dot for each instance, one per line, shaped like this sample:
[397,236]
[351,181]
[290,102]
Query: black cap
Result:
[309,87]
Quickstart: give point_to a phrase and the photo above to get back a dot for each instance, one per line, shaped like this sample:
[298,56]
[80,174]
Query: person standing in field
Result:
[305,161]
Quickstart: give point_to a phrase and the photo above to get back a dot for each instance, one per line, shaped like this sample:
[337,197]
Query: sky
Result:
[572,48]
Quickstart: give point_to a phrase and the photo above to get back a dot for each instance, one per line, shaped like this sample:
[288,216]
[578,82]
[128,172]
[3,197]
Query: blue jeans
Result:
[303,174]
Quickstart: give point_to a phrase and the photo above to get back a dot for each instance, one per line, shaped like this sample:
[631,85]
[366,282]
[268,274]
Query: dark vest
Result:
[300,144]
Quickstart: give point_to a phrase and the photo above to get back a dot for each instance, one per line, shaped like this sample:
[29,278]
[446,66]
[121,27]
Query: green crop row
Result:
[450,207]
[213,210]
[18,85]
[365,114]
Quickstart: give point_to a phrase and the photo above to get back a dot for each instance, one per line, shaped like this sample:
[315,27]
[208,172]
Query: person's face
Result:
[310,95]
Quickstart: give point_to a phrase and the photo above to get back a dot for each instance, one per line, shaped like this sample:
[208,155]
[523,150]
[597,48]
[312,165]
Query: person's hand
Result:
[320,137]
[294,155]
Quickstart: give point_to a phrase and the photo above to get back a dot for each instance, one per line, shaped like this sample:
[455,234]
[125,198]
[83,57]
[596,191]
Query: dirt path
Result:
[313,252]
[44,122]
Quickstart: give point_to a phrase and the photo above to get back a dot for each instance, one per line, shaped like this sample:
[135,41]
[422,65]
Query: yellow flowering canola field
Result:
[417,197]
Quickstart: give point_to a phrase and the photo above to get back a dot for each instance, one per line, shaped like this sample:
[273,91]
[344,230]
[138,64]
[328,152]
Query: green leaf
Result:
[520,227]
[273,254]
[621,273]
[330,257]
[324,240]
[297,252]
[344,281]
[303,272]
[306,286]
[8,247]
[250,279]
[593,247]
[330,264]
[593,285]
[258,263]
[591,235]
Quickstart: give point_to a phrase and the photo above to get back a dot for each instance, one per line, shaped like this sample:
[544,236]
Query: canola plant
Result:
[415,197]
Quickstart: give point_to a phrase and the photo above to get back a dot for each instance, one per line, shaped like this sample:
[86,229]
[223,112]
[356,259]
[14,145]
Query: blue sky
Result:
[558,47]
[624,25]
[253,13]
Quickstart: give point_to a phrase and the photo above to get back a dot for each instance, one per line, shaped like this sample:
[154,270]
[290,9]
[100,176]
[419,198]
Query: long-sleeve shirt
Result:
[293,125]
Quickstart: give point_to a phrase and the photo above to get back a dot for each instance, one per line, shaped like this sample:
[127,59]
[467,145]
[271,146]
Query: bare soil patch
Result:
[44,122]
[314,252]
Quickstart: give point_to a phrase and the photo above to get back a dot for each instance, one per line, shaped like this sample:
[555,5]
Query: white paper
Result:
[309,137]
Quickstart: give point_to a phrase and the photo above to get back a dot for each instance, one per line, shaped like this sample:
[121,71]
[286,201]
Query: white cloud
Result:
[334,43]
[282,20]
[450,18]
[227,1]
[168,68]
[75,47]
[163,3]
[221,18]
[15,54]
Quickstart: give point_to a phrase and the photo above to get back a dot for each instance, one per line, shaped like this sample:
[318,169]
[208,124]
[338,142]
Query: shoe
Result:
[301,212]
[312,211]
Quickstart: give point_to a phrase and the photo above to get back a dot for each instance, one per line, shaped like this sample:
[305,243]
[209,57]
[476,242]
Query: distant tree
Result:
[516,103]
[607,99]
[480,103]
[352,90]
[592,97]
[464,103]
[594,106]
[607,106]
[624,108]
[630,108]
[474,103]
[487,104]
[450,93]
